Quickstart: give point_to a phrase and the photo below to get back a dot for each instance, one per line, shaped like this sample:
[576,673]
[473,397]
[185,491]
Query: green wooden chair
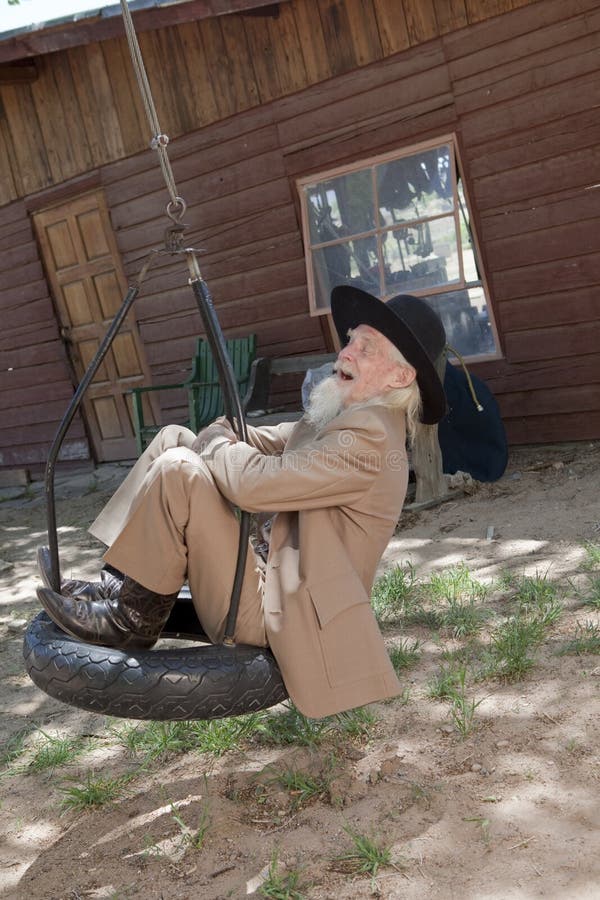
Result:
[205,399]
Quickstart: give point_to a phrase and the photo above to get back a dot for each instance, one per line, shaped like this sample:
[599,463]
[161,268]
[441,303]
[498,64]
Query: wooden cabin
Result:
[447,148]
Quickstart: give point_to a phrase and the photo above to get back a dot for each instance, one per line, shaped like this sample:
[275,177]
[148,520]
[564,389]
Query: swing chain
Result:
[159,141]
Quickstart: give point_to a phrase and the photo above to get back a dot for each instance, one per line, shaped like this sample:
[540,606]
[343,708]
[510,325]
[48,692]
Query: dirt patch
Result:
[508,811]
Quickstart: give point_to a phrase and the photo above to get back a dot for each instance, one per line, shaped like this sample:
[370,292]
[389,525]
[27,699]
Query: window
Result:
[399,224]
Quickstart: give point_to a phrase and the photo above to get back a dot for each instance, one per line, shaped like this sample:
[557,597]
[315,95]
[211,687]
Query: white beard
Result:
[325,403]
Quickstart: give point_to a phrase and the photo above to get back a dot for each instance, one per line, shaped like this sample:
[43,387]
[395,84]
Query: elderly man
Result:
[334,483]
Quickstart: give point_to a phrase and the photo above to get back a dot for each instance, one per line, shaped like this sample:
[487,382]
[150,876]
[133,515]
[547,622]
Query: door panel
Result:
[87,280]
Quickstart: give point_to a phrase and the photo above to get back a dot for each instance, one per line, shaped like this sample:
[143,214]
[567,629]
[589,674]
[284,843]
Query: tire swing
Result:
[203,682]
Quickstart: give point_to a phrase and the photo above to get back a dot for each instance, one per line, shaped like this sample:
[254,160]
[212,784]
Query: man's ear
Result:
[402,376]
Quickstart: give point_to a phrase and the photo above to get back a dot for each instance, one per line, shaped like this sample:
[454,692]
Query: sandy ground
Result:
[510,811]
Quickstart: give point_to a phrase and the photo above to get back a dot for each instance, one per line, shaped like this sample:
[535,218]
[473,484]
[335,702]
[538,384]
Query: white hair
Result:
[406,398]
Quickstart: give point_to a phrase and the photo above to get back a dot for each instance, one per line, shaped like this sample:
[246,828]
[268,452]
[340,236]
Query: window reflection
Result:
[341,207]
[400,226]
[415,187]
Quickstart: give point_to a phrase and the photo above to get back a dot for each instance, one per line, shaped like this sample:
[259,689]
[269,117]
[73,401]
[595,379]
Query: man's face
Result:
[365,368]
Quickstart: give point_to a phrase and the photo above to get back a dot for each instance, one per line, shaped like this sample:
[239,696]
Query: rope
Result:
[176,207]
[478,405]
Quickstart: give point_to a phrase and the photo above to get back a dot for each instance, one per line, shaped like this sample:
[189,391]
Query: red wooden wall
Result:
[35,387]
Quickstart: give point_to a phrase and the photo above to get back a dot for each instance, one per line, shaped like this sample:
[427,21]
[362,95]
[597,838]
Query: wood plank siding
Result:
[35,387]
[253,102]
[84,108]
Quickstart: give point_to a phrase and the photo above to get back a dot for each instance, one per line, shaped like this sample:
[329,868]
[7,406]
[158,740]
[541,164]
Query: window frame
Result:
[450,139]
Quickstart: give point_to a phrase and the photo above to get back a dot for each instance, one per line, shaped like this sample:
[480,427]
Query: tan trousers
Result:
[168,522]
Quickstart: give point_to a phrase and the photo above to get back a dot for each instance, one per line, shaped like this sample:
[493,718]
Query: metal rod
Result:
[66,421]
[235,414]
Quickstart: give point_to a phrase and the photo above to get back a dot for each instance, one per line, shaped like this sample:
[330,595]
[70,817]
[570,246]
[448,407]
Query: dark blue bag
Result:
[471,441]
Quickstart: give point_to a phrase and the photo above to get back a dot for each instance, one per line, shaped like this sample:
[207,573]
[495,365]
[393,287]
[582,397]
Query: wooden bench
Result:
[205,399]
[258,411]
[425,455]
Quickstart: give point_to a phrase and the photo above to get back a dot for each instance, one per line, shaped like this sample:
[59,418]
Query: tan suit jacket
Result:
[337,495]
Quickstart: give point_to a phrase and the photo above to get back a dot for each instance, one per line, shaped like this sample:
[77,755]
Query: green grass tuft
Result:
[302,786]
[394,593]
[456,585]
[281,884]
[52,752]
[445,681]
[95,792]
[512,648]
[585,640]
[404,654]
[592,552]
[367,855]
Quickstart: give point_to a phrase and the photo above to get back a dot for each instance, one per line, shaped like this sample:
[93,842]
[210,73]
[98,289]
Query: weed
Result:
[426,618]
[404,698]
[463,710]
[155,740]
[95,792]
[537,598]
[13,748]
[464,617]
[592,552]
[281,885]
[466,655]
[592,594]
[443,684]
[420,793]
[302,786]
[393,593]
[511,647]
[216,736]
[484,825]
[356,722]
[404,654]
[586,640]
[192,837]
[506,580]
[53,752]
[160,739]
[292,727]
[367,856]
[454,585]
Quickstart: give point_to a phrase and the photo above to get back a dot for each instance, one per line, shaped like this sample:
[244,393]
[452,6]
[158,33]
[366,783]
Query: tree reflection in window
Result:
[399,224]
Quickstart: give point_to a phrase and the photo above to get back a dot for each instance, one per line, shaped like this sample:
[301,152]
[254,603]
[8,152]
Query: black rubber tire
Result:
[207,682]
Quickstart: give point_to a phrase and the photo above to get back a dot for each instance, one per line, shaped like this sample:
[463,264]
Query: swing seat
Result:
[210,681]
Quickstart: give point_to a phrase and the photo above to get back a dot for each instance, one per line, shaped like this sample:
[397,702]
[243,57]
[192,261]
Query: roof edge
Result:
[102,23]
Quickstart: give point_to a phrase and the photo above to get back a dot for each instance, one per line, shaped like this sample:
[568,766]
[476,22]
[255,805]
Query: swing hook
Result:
[174,233]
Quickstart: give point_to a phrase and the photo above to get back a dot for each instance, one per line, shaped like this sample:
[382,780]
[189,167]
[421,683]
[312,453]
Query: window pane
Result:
[415,187]
[420,256]
[466,320]
[341,207]
[352,262]
[469,263]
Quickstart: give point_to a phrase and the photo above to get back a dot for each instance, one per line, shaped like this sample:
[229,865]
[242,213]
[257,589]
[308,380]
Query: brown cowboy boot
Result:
[132,619]
[108,586]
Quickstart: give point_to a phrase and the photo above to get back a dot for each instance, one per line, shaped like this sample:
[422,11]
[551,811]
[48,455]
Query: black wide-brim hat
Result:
[411,325]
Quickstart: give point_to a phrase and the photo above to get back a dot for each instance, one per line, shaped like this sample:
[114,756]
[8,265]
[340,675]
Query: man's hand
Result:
[216,433]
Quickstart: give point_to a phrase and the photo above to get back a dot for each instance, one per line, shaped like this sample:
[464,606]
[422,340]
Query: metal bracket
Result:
[174,238]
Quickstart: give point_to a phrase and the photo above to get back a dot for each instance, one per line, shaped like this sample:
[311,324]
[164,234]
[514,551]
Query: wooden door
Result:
[88,283]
